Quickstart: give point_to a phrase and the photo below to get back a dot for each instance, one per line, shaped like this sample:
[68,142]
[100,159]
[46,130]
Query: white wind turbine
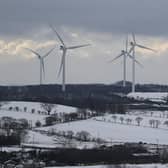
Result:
[41,59]
[64,49]
[125,54]
[134,45]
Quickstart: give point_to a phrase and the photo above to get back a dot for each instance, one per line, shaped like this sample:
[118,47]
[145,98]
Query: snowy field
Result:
[37,107]
[31,117]
[131,119]
[107,127]
[120,166]
[109,130]
[36,139]
[18,115]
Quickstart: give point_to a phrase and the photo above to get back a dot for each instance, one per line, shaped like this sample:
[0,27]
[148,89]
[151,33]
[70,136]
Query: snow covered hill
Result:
[37,106]
[106,128]
[34,112]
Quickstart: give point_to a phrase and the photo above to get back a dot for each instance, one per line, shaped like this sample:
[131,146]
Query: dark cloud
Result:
[121,16]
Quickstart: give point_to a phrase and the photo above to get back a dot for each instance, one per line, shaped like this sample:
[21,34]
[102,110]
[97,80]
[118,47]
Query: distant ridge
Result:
[120,83]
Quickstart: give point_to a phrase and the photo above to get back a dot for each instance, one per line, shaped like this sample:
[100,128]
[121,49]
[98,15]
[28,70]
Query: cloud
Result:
[105,45]
[17,47]
[143,17]
[84,65]
[159,44]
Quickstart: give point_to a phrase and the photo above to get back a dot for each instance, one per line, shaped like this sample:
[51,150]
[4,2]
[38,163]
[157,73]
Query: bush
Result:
[38,123]
[83,136]
[70,134]
[49,120]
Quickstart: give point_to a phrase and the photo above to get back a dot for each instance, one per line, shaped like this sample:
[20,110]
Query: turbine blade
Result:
[116,57]
[126,44]
[43,67]
[34,52]
[47,54]
[147,48]
[135,60]
[78,46]
[130,50]
[62,62]
[57,35]
[139,63]
[133,37]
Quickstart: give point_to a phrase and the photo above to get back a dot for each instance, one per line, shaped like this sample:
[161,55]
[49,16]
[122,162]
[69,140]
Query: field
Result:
[110,127]
[114,131]
[29,115]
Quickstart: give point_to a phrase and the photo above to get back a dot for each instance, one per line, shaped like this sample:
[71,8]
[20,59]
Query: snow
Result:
[146,116]
[153,96]
[10,149]
[103,127]
[31,117]
[108,130]
[38,138]
[37,106]
[18,115]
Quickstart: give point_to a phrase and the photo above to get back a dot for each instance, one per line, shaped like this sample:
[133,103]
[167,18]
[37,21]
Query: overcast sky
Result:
[102,23]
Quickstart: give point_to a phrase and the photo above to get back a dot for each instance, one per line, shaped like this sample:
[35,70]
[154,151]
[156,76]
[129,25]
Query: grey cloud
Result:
[143,17]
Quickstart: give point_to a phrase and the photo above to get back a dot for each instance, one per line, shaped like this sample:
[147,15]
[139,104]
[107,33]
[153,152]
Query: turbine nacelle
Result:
[132,43]
[62,47]
[123,51]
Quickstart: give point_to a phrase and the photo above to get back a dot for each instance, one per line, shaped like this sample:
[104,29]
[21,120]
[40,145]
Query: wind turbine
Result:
[135,45]
[64,49]
[41,59]
[125,54]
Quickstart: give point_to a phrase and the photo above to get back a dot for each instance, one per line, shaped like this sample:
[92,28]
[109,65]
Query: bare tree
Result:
[17,108]
[25,109]
[154,123]
[48,107]
[114,117]
[151,122]
[151,113]
[128,120]
[38,123]
[138,120]
[82,112]
[157,123]
[70,134]
[121,119]
[166,123]
[83,135]
[33,111]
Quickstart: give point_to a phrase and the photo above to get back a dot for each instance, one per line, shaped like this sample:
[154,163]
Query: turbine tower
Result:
[125,54]
[135,45]
[64,49]
[41,59]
